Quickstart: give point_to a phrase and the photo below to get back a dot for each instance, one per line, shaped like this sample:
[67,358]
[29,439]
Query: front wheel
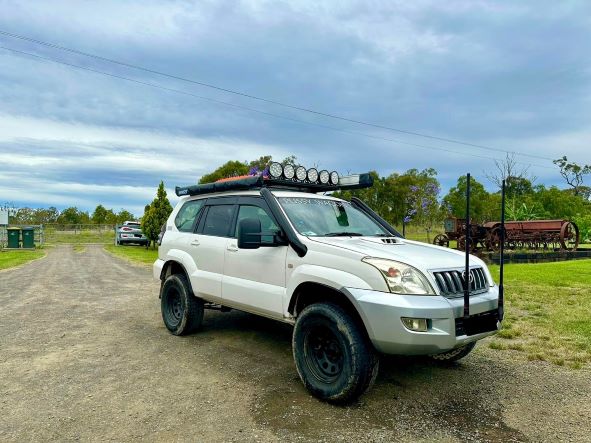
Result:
[455,354]
[333,357]
[182,312]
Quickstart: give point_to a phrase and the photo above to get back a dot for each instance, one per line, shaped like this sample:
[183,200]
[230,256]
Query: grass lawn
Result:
[79,237]
[134,253]
[10,259]
[548,311]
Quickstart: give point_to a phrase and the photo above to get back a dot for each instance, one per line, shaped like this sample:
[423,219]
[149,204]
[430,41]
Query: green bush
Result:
[584,224]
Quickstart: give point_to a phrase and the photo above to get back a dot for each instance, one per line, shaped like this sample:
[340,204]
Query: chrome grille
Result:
[452,283]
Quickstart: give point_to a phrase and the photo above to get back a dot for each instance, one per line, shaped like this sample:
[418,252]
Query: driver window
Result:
[186,217]
[267,223]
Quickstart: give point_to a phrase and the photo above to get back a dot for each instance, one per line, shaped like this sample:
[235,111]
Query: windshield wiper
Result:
[343,234]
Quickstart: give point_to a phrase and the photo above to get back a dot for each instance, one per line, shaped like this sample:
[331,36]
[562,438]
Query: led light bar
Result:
[275,170]
[283,177]
[334,178]
[300,173]
[289,172]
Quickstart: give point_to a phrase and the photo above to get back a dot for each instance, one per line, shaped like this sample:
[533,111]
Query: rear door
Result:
[254,279]
[209,244]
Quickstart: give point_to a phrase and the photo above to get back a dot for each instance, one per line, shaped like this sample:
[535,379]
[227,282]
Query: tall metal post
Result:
[502,256]
[467,237]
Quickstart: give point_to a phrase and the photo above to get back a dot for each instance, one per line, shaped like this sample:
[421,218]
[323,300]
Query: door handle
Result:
[195,243]
[232,248]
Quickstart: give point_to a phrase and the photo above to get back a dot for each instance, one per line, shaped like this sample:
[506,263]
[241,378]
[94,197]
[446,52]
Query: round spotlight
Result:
[334,178]
[300,173]
[312,175]
[324,176]
[275,170]
[288,171]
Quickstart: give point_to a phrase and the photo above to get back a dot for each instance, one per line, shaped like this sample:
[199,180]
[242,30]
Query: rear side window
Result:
[186,217]
[218,220]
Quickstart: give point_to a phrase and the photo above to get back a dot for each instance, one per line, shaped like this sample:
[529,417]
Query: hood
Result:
[420,255]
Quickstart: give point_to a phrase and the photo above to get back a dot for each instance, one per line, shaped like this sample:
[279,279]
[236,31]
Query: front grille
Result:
[452,283]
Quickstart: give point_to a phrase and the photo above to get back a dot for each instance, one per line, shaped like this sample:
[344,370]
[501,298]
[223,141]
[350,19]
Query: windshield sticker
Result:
[312,201]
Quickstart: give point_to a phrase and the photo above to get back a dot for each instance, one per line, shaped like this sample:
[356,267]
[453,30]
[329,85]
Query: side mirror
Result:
[249,233]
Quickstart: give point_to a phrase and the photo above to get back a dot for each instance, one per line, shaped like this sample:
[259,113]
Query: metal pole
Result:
[502,257]
[467,248]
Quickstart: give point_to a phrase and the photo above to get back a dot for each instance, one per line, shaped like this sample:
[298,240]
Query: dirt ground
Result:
[84,356]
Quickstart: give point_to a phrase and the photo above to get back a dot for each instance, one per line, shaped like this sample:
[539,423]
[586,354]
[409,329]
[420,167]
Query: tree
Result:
[455,200]
[156,215]
[231,168]
[44,216]
[73,216]
[395,197]
[124,215]
[234,168]
[99,216]
[573,173]
[518,181]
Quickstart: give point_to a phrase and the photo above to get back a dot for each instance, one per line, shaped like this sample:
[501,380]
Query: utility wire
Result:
[253,97]
[246,108]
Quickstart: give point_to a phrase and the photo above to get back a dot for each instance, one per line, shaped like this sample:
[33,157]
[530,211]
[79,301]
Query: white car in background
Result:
[130,232]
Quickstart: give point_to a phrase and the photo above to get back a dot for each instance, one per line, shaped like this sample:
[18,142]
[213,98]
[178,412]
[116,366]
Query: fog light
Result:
[415,324]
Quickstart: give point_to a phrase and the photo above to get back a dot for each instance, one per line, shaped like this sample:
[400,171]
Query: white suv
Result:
[348,282]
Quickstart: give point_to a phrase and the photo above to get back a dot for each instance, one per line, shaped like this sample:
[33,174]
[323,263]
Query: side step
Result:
[217,307]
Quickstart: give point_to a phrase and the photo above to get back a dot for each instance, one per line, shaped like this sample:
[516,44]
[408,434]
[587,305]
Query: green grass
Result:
[10,259]
[134,253]
[79,237]
[548,312]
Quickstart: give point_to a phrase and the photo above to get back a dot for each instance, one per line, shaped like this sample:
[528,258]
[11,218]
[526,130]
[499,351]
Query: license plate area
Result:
[477,324]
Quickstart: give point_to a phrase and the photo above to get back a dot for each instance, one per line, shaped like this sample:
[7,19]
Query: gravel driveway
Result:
[84,356]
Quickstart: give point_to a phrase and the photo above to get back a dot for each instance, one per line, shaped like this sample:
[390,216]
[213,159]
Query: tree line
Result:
[70,216]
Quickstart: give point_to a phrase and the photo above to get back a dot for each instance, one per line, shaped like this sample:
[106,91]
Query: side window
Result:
[218,220]
[186,216]
[267,223]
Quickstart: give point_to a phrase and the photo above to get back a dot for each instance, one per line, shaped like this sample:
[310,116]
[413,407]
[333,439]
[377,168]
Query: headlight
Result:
[401,278]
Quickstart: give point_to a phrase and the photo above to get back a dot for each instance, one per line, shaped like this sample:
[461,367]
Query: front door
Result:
[254,279]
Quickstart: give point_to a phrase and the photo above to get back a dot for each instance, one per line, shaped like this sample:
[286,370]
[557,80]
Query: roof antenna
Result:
[467,244]
[502,255]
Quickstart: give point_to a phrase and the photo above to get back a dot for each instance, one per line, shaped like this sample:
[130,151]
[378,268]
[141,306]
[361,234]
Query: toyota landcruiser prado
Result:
[350,284]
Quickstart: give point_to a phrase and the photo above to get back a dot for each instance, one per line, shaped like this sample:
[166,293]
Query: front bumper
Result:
[157,268]
[381,313]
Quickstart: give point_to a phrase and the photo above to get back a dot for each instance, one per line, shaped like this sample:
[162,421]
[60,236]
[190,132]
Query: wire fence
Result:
[65,234]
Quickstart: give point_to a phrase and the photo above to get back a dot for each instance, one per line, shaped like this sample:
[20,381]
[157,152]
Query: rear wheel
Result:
[182,312]
[333,357]
[455,354]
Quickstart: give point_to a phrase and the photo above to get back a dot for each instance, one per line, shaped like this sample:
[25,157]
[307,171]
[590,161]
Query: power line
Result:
[266,100]
[246,108]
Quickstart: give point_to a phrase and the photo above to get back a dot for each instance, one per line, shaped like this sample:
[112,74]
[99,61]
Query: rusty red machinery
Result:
[530,234]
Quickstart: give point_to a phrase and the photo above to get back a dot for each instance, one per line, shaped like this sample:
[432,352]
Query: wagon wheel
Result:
[569,236]
[441,240]
[462,244]
[493,239]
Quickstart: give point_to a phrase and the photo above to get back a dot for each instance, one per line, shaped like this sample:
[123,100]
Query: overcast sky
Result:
[513,76]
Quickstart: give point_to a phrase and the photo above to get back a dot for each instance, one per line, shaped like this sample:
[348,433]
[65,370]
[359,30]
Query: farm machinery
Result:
[531,234]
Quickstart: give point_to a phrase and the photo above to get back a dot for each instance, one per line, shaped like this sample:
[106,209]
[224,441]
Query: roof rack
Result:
[356,181]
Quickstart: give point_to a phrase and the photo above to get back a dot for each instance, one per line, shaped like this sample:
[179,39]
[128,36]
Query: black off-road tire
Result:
[455,354]
[182,312]
[333,356]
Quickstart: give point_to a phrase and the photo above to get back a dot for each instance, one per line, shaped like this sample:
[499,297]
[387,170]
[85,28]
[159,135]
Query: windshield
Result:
[325,218]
